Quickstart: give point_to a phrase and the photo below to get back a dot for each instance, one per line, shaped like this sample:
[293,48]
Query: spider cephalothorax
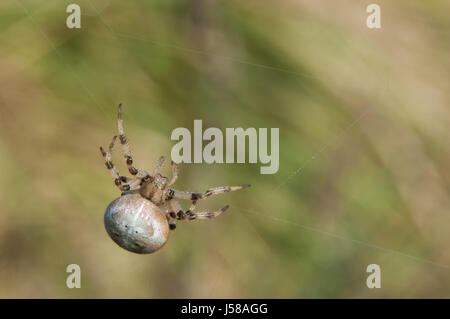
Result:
[140,219]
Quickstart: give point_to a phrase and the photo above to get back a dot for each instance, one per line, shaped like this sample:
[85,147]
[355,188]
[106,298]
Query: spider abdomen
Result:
[136,224]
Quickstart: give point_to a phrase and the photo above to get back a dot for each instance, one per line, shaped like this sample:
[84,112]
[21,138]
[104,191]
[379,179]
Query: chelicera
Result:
[142,217]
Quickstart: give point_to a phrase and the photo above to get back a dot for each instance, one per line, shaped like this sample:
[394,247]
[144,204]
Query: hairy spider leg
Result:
[110,166]
[118,180]
[174,206]
[126,147]
[210,192]
[132,183]
[170,219]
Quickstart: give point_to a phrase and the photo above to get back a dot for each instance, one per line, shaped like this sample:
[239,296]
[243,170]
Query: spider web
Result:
[255,212]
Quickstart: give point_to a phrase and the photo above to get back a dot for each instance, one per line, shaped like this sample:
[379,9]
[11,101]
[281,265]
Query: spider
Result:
[141,218]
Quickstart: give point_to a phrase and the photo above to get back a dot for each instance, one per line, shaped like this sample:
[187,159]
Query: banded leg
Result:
[126,147]
[189,215]
[172,223]
[191,208]
[207,215]
[131,183]
[173,208]
[110,166]
[209,192]
[203,215]
[170,219]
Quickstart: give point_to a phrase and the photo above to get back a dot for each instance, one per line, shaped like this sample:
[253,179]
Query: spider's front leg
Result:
[118,180]
[110,166]
[126,147]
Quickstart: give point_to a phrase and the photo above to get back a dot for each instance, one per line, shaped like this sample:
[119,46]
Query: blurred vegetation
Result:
[364,154]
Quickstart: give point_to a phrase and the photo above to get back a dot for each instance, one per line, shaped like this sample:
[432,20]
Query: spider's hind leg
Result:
[172,223]
[169,216]
[175,211]
[203,215]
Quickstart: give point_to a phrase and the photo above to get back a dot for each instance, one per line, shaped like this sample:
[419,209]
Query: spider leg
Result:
[206,215]
[174,174]
[209,192]
[192,207]
[134,191]
[160,164]
[170,219]
[173,207]
[189,215]
[126,147]
[109,164]
[131,184]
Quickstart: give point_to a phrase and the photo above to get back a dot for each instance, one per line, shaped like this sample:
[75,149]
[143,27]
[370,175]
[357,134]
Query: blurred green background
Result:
[364,145]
